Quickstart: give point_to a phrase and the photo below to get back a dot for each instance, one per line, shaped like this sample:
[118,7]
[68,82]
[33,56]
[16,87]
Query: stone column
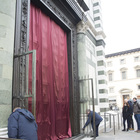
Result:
[81,49]
[7,26]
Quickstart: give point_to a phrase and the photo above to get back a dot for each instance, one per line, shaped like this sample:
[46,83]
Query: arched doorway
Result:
[126,94]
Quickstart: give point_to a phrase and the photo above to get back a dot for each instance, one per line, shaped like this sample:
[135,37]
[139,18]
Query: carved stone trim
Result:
[81,27]
[21,46]
[57,12]
[25,6]
[75,86]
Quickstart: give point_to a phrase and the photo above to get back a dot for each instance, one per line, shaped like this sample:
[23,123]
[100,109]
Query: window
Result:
[102,82]
[138,73]
[97,25]
[96,11]
[96,18]
[123,74]
[100,63]
[110,77]
[136,59]
[101,72]
[102,91]
[138,87]
[104,109]
[99,53]
[111,90]
[122,61]
[96,4]
[103,100]
[109,64]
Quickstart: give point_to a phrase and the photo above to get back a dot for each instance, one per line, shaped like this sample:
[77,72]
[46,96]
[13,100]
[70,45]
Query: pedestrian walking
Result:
[131,113]
[126,116]
[98,119]
[136,110]
[22,125]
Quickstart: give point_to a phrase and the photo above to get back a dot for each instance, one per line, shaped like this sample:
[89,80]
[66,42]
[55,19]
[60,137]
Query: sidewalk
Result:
[120,135]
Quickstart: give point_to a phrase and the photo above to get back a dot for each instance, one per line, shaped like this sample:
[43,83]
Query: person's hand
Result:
[83,128]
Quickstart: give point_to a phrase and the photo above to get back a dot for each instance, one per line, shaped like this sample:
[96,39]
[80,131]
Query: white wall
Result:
[130,83]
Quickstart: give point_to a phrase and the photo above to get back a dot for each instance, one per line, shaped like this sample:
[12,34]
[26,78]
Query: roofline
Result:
[122,53]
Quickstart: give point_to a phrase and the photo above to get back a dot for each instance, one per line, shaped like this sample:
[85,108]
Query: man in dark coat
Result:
[131,113]
[22,125]
[136,110]
[98,119]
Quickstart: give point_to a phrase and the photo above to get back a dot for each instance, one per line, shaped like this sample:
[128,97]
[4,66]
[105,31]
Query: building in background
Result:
[91,61]
[123,70]
[30,25]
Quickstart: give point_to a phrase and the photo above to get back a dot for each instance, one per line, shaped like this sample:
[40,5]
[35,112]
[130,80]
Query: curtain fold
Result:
[52,83]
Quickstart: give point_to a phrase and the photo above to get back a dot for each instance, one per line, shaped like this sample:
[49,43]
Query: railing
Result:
[3,134]
[8,139]
[113,120]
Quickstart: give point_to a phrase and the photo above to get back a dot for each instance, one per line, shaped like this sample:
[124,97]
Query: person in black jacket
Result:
[22,125]
[126,116]
[98,119]
[131,113]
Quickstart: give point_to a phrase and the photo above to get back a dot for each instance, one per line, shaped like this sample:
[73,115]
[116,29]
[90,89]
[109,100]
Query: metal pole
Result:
[114,124]
[93,109]
[105,121]
[34,82]
[110,119]
[118,122]
[82,104]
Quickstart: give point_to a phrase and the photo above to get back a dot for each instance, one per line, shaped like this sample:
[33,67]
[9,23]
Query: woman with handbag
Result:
[126,116]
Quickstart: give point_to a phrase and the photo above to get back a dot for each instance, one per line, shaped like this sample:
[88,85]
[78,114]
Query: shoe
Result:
[123,130]
[127,129]
[138,131]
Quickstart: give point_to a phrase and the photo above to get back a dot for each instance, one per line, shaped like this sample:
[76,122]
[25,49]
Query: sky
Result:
[121,24]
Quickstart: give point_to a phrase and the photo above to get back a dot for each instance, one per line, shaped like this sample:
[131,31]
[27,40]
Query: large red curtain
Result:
[52,83]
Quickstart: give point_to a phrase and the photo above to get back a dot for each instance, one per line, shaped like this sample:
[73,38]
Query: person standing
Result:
[22,125]
[98,119]
[131,113]
[136,110]
[126,116]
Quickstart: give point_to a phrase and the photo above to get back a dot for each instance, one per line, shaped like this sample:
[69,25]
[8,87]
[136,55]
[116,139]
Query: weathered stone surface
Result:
[7,72]
[5,112]
[6,58]
[0,70]
[5,84]
[7,28]
[2,31]
[7,7]
[5,97]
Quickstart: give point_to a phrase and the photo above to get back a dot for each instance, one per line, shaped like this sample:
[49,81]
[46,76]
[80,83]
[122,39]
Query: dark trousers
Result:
[128,122]
[137,117]
[97,129]
[97,134]
[131,122]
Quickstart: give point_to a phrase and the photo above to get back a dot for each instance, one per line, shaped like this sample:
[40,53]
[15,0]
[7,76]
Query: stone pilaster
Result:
[81,48]
[7,25]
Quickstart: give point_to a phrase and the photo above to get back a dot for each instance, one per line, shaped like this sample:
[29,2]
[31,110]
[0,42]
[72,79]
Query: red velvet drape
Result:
[52,83]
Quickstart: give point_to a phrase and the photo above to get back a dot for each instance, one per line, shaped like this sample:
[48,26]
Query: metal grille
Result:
[21,92]
[86,90]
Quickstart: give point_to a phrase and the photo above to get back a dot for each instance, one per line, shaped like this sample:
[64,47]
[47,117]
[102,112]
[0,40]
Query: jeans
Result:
[137,117]
[131,122]
[128,122]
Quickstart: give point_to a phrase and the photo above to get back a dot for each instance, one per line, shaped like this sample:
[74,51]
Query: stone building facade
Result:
[82,22]
[123,70]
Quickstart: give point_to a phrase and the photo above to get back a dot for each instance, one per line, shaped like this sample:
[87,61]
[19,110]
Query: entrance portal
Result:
[52,77]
